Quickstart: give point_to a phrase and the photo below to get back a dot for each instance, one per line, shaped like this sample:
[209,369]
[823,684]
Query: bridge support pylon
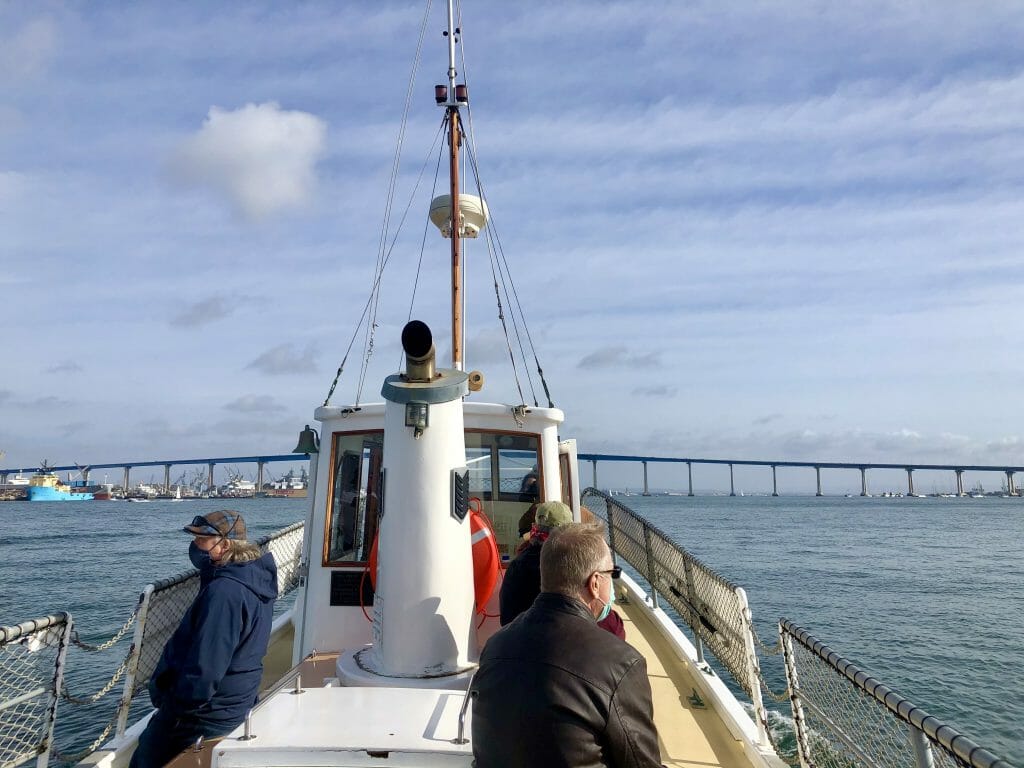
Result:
[910,482]
[960,483]
[127,478]
[1011,485]
[732,485]
[647,491]
[775,483]
[689,477]
[209,479]
[863,481]
[817,475]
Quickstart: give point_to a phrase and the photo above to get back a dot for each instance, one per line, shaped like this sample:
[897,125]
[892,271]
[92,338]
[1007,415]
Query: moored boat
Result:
[44,485]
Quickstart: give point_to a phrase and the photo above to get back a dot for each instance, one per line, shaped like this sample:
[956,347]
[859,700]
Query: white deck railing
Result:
[31,677]
[714,608]
[845,717]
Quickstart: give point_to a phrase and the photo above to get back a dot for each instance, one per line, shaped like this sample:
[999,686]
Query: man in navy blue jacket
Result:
[209,674]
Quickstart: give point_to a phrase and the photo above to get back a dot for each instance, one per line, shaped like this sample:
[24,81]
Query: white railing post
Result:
[58,680]
[652,576]
[760,713]
[134,654]
[803,742]
[610,506]
[923,757]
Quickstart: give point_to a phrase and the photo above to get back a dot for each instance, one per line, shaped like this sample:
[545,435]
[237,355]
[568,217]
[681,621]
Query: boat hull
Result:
[45,493]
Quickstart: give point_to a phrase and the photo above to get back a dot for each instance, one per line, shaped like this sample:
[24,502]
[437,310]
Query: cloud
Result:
[67,366]
[285,359]
[48,401]
[619,357]
[203,312]
[762,420]
[30,51]
[255,404]
[260,158]
[73,428]
[5,395]
[656,391]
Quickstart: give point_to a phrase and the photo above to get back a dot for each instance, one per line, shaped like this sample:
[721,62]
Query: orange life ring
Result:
[486,558]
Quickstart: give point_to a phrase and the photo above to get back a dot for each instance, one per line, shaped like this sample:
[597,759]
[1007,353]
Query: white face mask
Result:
[607,606]
[611,599]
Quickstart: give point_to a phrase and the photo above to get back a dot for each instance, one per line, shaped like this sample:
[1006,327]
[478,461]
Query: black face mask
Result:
[199,558]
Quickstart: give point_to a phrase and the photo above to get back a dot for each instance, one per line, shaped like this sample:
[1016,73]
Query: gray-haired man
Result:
[553,688]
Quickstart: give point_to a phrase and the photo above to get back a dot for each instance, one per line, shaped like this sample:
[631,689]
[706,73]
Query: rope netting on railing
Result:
[31,672]
[711,606]
[845,718]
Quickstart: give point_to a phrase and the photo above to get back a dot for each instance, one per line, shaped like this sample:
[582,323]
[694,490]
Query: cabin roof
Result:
[342,726]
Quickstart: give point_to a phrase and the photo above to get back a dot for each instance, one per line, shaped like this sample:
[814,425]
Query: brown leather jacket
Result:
[554,689]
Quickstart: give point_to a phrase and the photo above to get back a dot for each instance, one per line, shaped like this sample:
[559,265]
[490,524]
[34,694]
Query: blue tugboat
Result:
[44,485]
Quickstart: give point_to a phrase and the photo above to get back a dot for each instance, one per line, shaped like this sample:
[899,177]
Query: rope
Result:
[112,641]
[770,650]
[79,756]
[101,692]
[776,746]
[779,697]
[369,301]
[382,252]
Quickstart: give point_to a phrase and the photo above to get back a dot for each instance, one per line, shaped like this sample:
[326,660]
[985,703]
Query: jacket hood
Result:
[259,576]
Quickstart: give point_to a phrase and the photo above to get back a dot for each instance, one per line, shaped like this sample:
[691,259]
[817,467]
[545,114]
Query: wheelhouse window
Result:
[356,496]
[504,475]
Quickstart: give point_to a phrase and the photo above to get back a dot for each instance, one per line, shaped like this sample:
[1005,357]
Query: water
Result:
[927,594]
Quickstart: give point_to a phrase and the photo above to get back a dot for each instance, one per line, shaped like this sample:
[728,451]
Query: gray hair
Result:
[570,556]
[241,551]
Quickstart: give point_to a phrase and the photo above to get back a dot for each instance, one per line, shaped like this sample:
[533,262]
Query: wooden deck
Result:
[689,735]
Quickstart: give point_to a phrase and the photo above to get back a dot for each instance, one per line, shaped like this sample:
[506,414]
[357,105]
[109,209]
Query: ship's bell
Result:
[309,442]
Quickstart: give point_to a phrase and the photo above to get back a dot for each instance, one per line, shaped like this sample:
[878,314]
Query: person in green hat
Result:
[521,584]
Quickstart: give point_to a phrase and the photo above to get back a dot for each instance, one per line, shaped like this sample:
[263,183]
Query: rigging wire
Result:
[494,239]
[383,257]
[387,259]
[392,182]
[426,228]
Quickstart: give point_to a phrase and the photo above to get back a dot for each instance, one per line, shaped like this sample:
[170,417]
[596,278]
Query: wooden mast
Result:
[454,142]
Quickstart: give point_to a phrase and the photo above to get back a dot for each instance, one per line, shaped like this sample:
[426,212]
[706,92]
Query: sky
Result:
[745,230]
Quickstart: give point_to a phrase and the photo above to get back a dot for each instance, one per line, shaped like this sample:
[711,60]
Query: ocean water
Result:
[926,594]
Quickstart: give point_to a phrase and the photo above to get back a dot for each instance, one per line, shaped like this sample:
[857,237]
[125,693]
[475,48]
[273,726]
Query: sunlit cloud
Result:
[259,158]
